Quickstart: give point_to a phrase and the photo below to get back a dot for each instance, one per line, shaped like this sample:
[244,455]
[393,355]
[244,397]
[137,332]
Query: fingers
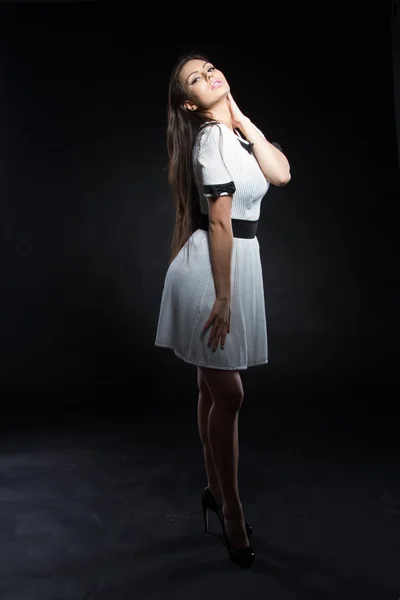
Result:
[214,337]
[219,319]
[218,335]
[207,324]
[223,335]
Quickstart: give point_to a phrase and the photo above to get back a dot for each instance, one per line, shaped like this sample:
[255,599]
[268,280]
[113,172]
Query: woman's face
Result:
[203,83]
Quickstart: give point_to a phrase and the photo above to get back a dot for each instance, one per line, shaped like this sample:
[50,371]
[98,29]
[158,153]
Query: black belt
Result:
[240,227]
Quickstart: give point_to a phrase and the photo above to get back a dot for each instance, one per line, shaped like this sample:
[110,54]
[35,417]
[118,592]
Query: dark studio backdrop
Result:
[87,216]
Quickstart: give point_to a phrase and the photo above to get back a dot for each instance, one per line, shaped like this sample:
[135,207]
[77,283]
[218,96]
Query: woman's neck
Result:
[220,112]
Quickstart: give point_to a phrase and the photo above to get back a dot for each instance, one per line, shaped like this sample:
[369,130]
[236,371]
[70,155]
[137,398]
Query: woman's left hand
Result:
[236,114]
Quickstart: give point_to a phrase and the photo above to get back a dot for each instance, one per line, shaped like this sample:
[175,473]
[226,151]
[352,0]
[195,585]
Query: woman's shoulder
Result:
[213,132]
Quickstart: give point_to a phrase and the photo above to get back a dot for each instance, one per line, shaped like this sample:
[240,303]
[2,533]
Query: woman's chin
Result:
[221,96]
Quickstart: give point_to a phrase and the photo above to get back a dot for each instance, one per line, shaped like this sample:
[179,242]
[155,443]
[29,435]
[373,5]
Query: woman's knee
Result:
[225,386]
[202,385]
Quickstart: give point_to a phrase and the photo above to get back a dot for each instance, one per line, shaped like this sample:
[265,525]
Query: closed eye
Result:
[197,78]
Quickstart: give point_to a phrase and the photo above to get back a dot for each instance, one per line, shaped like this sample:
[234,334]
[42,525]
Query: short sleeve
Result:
[215,177]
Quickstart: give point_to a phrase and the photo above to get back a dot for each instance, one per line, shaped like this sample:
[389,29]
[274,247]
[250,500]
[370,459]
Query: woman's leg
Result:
[227,394]
[204,404]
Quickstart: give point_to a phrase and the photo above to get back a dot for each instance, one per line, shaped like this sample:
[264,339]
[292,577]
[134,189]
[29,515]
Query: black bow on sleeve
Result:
[247,146]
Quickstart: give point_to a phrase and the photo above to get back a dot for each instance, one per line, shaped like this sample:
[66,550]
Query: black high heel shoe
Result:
[244,557]
[208,503]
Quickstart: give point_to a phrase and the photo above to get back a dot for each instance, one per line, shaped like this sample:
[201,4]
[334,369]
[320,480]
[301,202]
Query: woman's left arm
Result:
[273,163]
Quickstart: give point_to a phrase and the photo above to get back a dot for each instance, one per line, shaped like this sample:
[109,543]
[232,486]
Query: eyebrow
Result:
[206,63]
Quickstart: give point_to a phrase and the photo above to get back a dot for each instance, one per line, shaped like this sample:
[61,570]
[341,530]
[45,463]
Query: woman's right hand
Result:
[220,320]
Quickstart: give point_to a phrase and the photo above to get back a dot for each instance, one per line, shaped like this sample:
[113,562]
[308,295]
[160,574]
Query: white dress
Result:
[219,158]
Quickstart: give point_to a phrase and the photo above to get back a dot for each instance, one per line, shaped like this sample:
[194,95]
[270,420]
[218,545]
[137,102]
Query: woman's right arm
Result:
[221,243]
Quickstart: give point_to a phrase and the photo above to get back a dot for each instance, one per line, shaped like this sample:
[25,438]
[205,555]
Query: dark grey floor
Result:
[107,509]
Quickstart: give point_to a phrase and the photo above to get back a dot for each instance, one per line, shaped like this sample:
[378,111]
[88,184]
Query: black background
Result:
[87,215]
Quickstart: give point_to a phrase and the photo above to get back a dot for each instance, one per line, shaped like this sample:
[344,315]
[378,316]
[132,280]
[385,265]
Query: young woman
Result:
[212,310]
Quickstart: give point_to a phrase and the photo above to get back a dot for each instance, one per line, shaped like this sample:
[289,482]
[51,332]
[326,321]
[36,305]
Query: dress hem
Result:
[255,364]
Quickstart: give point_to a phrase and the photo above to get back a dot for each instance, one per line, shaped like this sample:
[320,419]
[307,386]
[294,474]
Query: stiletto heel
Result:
[208,503]
[205,515]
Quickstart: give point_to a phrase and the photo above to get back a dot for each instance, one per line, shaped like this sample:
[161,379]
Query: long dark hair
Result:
[182,129]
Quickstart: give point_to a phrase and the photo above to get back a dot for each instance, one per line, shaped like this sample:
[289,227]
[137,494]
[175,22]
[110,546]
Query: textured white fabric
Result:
[189,291]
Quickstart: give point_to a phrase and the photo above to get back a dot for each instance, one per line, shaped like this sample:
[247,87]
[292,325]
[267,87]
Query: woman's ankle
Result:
[233,510]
